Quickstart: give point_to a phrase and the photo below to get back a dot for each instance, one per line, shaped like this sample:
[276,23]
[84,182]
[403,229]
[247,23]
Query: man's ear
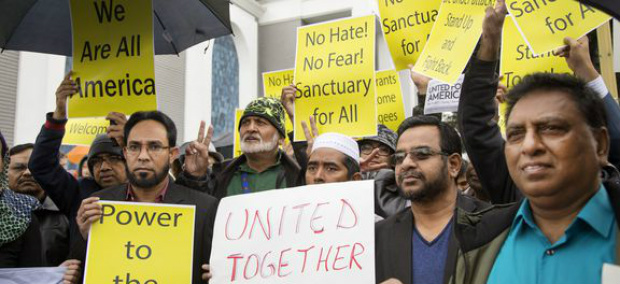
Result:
[601,136]
[174,153]
[454,165]
[357,176]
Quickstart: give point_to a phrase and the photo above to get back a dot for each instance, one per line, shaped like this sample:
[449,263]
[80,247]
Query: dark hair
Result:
[20,148]
[83,161]
[587,101]
[156,115]
[352,166]
[450,141]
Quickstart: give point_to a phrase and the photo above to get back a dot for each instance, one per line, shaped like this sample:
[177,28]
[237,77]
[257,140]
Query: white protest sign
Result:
[309,234]
[443,97]
[32,275]
[611,274]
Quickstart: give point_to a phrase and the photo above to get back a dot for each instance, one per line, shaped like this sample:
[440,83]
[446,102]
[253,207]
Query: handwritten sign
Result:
[112,57]
[518,60]
[83,131]
[407,25]
[390,105]
[335,74]
[310,234]
[443,97]
[453,39]
[141,243]
[545,24]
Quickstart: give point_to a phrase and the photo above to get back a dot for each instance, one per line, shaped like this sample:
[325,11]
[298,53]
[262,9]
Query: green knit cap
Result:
[267,108]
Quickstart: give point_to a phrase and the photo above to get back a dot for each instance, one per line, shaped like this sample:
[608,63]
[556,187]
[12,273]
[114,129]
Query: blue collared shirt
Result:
[527,256]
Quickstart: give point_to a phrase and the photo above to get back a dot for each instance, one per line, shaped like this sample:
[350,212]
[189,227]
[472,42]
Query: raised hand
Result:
[116,129]
[65,90]
[577,55]
[311,133]
[365,163]
[197,153]
[492,31]
[288,100]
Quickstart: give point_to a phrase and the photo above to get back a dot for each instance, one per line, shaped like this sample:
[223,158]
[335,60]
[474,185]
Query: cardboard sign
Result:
[545,24]
[407,25]
[443,97]
[83,131]
[237,144]
[112,57]
[335,75]
[310,234]
[517,59]
[141,242]
[390,105]
[453,39]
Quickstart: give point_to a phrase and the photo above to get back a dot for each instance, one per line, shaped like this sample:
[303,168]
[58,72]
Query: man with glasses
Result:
[385,145]
[417,243]
[151,147]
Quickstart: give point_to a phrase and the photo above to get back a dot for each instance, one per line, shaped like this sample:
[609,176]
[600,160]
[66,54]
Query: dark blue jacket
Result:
[63,188]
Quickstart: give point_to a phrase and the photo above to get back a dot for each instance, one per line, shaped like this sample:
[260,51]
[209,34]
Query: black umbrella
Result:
[611,7]
[45,25]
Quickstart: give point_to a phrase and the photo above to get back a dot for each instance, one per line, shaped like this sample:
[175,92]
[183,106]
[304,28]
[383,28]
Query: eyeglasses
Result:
[153,149]
[97,161]
[417,154]
[367,148]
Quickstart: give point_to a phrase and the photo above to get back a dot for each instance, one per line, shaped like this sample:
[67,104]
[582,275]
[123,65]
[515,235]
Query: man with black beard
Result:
[417,244]
[150,139]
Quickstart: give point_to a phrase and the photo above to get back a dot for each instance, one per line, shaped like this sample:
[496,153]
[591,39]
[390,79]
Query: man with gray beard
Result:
[416,244]
[262,166]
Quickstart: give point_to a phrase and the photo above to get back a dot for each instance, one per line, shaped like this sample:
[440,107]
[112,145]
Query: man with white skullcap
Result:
[334,158]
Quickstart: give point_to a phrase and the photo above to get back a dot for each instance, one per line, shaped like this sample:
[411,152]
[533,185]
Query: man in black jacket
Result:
[53,224]
[106,162]
[150,138]
[417,243]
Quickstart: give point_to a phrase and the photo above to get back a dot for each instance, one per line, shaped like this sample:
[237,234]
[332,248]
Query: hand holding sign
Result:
[72,275]
[577,54]
[288,100]
[117,126]
[89,212]
[492,31]
[310,135]
[197,153]
[66,89]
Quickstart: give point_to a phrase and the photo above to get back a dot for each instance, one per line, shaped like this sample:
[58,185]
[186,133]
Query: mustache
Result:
[27,179]
[410,173]
[251,135]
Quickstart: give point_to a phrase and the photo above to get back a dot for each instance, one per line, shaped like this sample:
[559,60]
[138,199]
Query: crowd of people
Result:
[465,204]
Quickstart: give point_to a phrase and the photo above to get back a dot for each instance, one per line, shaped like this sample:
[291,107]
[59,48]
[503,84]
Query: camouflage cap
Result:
[385,136]
[267,108]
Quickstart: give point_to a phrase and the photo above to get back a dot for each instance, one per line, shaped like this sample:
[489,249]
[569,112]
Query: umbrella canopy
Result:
[611,7]
[45,25]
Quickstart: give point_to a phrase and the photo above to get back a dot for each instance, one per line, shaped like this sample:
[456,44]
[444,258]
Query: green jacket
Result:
[481,235]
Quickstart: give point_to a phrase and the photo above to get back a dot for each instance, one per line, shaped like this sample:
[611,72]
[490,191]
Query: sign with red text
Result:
[309,234]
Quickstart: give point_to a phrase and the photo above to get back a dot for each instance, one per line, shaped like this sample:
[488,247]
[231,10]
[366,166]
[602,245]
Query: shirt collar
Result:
[245,168]
[597,213]
[131,196]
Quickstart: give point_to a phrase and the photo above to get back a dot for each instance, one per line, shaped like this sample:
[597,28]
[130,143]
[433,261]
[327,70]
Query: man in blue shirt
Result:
[416,244]
[556,152]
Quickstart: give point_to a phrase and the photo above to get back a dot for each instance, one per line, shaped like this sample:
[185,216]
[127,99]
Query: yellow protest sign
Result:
[141,242]
[545,23]
[453,39]
[82,131]
[237,143]
[518,60]
[335,74]
[273,82]
[502,118]
[112,57]
[407,25]
[390,106]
